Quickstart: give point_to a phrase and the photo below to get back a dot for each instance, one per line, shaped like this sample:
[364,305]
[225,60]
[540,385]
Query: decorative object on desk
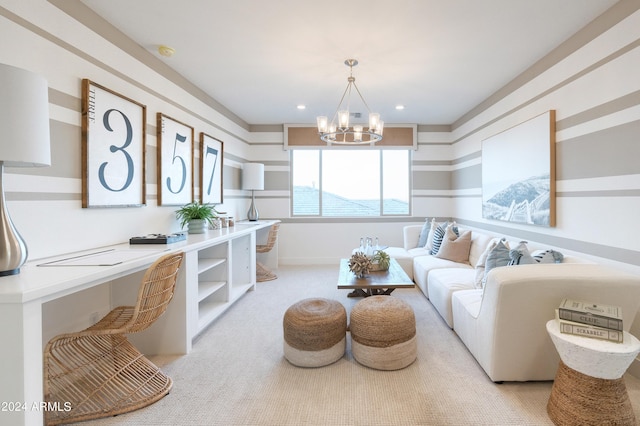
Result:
[113,148]
[253,179]
[196,216]
[175,161]
[360,264]
[24,123]
[158,238]
[381,261]
[211,156]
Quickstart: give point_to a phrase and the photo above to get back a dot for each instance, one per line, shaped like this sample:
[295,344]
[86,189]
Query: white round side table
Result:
[589,388]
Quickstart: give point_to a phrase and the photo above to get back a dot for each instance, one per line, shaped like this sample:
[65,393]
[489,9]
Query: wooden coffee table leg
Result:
[366,292]
[358,292]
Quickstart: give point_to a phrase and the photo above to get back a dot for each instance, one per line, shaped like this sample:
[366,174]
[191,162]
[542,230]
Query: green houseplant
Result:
[197,216]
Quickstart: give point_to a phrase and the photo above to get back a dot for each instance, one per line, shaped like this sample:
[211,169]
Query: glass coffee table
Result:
[375,283]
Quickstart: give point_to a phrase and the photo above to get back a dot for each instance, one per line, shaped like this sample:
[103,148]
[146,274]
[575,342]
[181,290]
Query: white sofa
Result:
[503,324]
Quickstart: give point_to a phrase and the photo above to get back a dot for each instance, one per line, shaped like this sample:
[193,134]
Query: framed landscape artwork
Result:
[113,148]
[175,162]
[211,153]
[518,173]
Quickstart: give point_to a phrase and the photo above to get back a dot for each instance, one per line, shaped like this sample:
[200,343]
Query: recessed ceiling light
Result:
[399,107]
[301,106]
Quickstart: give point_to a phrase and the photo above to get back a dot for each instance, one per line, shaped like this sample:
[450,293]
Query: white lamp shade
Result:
[24,118]
[253,176]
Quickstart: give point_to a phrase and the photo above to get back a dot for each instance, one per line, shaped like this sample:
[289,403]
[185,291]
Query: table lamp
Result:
[253,179]
[24,142]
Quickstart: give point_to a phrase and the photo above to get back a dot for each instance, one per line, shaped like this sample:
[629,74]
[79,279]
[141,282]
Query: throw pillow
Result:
[432,227]
[424,233]
[547,256]
[455,248]
[438,235]
[481,261]
[520,255]
[498,256]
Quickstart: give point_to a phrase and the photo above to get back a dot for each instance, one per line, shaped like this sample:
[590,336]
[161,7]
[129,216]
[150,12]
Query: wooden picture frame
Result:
[518,173]
[211,163]
[113,148]
[175,161]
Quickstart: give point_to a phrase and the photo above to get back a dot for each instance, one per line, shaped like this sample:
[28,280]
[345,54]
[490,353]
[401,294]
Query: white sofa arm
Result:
[411,235]
[513,343]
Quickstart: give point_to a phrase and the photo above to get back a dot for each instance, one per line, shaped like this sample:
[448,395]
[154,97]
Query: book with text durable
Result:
[585,330]
[604,316]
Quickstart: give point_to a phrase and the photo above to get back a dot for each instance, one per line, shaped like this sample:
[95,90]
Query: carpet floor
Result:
[236,373]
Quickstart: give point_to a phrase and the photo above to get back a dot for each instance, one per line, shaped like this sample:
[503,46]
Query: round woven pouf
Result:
[315,332]
[383,333]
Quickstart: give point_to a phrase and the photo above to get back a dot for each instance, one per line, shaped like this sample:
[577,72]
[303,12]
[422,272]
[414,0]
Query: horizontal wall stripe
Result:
[607,252]
[542,95]
[431,180]
[616,105]
[597,27]
[42,196]
[470,177]
[65,100]
[598,153]
[611,193]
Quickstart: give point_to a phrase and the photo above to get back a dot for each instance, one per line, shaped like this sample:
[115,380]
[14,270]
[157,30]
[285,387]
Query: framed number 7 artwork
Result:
[211,153]
[175,162]
[113,148]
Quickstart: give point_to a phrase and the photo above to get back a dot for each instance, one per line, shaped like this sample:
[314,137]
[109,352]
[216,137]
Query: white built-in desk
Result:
[219,267]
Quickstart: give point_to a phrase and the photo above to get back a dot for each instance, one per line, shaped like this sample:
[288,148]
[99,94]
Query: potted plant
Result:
[196,216]
[381,261]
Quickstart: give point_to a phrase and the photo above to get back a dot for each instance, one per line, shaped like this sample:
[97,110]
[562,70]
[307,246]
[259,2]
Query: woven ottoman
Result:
[315,332]
[383,333]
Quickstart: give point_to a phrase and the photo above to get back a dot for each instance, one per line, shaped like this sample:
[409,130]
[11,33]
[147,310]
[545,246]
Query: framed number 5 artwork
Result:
[175,162]
[113,148]
[211,153]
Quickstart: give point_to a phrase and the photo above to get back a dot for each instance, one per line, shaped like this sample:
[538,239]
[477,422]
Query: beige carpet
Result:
[236,374]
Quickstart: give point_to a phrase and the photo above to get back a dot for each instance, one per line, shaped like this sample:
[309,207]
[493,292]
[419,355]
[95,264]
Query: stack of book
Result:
[590,320]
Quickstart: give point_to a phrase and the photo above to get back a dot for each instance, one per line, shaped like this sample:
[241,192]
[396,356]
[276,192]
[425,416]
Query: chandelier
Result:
[341,132]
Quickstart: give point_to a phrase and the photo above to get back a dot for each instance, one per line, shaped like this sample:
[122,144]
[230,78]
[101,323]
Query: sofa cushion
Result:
[455,248]
[443,283]
[479,243]
[422,265]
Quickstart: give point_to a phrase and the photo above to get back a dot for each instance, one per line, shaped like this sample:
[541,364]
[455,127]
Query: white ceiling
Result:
[439,58]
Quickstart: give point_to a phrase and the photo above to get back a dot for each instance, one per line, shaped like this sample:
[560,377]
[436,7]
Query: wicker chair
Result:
[262,272]
[97,372]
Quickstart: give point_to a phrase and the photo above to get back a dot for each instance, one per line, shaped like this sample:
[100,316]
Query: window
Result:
[350,182]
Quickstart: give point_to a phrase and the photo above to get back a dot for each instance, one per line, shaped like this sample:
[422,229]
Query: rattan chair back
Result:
[156,291]
[271,239]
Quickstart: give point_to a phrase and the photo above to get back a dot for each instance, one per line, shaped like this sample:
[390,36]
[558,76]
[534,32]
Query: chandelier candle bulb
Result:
[357,133]
[322,123]
[343,119]
[374,119]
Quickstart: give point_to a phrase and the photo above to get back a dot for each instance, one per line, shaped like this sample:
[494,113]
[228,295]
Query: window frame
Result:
[381,214]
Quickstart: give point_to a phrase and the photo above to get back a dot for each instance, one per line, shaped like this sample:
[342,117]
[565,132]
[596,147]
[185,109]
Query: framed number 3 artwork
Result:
[211,153]
[113,148]
[175,162]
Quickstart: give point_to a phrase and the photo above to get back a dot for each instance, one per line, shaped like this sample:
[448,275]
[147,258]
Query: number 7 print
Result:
[211,164]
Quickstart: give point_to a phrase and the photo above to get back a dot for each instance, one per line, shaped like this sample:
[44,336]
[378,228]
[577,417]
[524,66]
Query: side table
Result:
[589,388]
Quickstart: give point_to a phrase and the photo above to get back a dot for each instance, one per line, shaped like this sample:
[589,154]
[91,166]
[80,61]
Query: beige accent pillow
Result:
[455,248]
